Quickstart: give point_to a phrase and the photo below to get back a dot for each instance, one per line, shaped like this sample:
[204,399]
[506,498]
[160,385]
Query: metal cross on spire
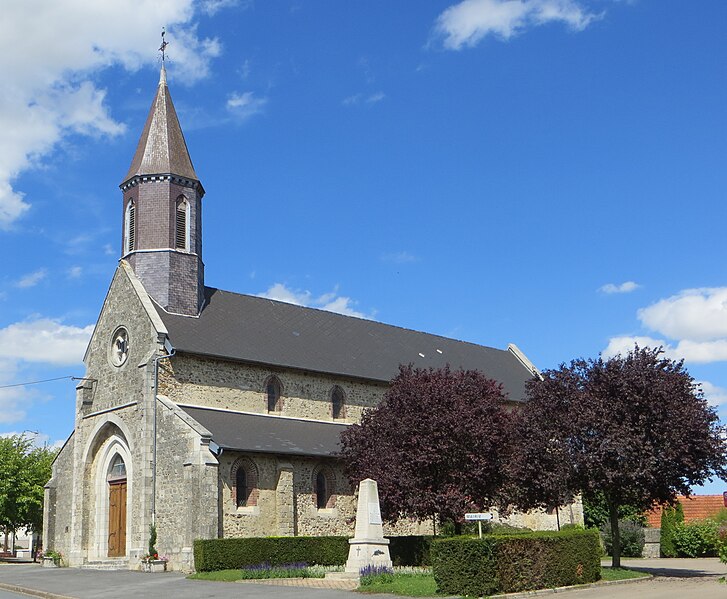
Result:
[164,45]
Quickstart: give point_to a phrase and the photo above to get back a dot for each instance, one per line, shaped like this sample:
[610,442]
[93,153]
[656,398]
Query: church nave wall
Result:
[237,386]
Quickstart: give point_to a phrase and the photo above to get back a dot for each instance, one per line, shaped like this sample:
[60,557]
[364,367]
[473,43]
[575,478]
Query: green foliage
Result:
[722,543]
[670,518]
[696,539]
[410,551]
[24,471]
[720,517]
[632,538]
[595,511]
[513,563]
[152,540]
[222,554]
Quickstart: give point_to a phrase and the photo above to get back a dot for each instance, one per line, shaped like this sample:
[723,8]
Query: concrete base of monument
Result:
[368,552]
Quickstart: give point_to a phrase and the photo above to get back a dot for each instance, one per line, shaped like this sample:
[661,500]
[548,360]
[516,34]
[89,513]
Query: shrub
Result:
[696,539]
[670,517]
[512,563]
[722,543]
[372,574]
[410,550]
[632,538]
[225,554]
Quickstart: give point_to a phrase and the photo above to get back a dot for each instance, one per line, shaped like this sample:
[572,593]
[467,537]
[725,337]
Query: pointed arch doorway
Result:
[117,489]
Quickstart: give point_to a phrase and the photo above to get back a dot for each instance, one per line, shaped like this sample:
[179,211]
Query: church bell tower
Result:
[162,212]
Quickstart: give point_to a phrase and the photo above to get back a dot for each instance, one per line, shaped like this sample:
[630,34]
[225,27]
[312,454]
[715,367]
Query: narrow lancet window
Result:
[273,393]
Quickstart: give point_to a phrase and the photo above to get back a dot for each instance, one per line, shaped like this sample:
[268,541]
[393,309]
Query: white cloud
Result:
[244,106]
[716,396]
[75,272]
[212,7]
[692,325]
[402,257]
[44,340]
[363,99]
[626,287]
[694,314]
[48,90]
[328,301]
[624,344]
[468,22]
[32,279]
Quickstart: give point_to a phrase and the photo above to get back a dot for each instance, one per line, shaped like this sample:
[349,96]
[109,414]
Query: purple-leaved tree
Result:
[636,428]
[436,444]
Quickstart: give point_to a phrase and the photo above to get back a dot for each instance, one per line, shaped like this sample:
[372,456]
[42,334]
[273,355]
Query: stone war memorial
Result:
[215,414]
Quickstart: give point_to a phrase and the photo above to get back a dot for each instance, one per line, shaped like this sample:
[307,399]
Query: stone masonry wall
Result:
[241,387]
[286,505]
[58,502]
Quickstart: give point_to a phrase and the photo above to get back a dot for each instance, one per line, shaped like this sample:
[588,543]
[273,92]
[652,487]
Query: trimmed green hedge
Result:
[513,563]
[410,551]
[224,554]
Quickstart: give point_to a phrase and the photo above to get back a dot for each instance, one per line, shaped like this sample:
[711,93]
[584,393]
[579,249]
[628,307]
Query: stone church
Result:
[216,414]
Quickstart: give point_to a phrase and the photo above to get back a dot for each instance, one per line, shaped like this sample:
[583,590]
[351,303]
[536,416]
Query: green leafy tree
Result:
[671,517]
[24,471]
[595,511]
[635,428]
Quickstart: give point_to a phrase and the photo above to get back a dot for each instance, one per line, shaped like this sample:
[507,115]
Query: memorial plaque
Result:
[374,514]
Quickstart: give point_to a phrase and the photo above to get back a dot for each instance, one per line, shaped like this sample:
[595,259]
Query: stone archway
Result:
[111,486]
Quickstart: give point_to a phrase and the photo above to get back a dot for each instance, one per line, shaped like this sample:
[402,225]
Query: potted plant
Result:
[151,562]
[50,559]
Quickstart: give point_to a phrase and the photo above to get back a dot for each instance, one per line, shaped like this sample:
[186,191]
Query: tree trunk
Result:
[457,527]
[615,536]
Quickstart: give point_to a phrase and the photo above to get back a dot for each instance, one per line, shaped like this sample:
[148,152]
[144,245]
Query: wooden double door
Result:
[117,518]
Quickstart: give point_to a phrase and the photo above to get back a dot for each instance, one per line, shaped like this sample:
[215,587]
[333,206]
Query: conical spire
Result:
[162,149]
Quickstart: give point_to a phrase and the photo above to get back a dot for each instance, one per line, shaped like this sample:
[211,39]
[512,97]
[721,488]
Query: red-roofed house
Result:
[696,507]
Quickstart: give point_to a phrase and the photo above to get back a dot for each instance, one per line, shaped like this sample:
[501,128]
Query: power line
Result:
[60,378]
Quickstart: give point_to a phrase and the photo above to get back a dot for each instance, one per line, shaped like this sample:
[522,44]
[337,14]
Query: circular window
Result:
[119,350]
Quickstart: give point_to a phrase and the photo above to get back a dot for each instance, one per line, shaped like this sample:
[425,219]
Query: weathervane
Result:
[164,45]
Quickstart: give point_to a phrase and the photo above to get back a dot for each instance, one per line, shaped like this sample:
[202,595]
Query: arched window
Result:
[244,483]
[181,232]
[272,390]
[338,403]
[323,484]
[117,470]
[130,228]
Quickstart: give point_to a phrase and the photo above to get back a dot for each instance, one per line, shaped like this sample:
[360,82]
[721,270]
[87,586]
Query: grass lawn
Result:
[608,573]
[409,585]
[406,584]
[218,575]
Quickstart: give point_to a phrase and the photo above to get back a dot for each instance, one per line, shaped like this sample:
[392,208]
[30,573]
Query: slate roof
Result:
[262,331]
[269,434]
[162,149]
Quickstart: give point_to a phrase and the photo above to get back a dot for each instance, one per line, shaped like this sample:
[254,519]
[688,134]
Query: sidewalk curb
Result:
[13,588]
[575,587]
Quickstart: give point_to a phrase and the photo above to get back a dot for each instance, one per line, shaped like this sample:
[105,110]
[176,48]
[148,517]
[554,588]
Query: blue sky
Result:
[549,173]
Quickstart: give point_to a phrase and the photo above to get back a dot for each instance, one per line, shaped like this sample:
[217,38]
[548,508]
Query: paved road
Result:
[674,579]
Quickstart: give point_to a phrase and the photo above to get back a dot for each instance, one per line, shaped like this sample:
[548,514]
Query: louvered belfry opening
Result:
[131,228]
[181,225]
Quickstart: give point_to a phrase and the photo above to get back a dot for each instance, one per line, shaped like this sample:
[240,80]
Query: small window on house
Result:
[338,403]
[273,392]
[130,229]
[244,483]
[182,221]
[323,488]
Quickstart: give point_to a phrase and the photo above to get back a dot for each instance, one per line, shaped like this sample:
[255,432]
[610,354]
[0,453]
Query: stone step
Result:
[106,564]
